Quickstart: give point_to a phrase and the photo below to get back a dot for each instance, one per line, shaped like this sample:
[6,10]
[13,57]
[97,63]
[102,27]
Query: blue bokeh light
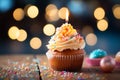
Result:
[77,7]
[5,5]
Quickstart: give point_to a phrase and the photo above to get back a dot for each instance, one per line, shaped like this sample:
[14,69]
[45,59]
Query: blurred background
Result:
[27,25]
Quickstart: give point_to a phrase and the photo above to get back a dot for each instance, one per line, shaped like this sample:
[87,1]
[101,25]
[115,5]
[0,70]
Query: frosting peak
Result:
[66,30]
[66,37]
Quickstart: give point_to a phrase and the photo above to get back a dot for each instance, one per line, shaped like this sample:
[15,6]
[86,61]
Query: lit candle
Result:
[67,16]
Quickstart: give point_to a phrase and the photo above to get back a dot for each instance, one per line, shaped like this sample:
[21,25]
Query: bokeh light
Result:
[13,32]
[99,13]
[62,12]
[18,14]
[86,30]
[5,5]
[51,13]
[50,7]
[22,35]
[91,39]
[49,29]
[32,11]
[35,43]
[76,7]
[116,11]
[102,25]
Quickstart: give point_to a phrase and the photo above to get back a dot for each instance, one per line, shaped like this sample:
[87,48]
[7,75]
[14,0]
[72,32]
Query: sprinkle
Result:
[62,73]
[75,73]
[28,58]
[80,79]
[36,60]
[23,70]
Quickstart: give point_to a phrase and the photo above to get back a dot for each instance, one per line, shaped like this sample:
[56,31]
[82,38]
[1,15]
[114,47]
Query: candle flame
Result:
[67,16]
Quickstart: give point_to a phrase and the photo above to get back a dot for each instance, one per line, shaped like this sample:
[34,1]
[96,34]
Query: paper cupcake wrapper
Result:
[65,62]
[93,62]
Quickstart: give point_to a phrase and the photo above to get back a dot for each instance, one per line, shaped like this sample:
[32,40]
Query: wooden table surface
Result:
[23,67]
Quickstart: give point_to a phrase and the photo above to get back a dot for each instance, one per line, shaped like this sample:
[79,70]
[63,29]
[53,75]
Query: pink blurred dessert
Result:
[95,57]
[117,59]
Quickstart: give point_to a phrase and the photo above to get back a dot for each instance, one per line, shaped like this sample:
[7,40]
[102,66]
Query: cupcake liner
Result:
[93,62]
[72,62]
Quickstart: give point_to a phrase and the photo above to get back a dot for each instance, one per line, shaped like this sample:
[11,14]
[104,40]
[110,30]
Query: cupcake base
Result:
[67,60]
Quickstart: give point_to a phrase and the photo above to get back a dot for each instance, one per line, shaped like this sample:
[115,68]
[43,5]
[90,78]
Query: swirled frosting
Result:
[66,37]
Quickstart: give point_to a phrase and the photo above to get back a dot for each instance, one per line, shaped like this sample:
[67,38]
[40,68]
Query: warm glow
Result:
[32,11]
[116,11]
[18,14]
[13,32]
[91,39]
[102,25]
[99,13]
[51,13]
[35,43]
[22,36]
[67,16]
[86,30]
[50,7]
[49,29]
[64,13]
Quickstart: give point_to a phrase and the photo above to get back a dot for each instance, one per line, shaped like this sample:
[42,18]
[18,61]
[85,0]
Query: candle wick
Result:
[66,21]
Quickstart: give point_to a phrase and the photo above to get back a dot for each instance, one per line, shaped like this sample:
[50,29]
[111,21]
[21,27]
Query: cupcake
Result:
[117,59]
[66,49]
[95,57]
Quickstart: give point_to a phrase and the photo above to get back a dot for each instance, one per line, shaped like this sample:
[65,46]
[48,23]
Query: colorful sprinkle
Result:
[21,70]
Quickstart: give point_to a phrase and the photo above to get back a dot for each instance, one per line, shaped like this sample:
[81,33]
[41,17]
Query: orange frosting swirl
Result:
[66,37]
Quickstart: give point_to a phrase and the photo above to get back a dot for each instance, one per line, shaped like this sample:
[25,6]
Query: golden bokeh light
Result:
[91,39]
[32,11]
[99,13]
[51,13]
[35,43]
[102,25]
[49,29]
[18,14]
[86,30]
[50,7]
[62,12]
[13,32]
[116,11]
[50,18]
[22,36]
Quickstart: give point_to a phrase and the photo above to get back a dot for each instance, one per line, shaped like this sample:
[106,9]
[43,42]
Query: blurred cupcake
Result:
[95,57]
[107,64]
[117,59]
[66,49]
